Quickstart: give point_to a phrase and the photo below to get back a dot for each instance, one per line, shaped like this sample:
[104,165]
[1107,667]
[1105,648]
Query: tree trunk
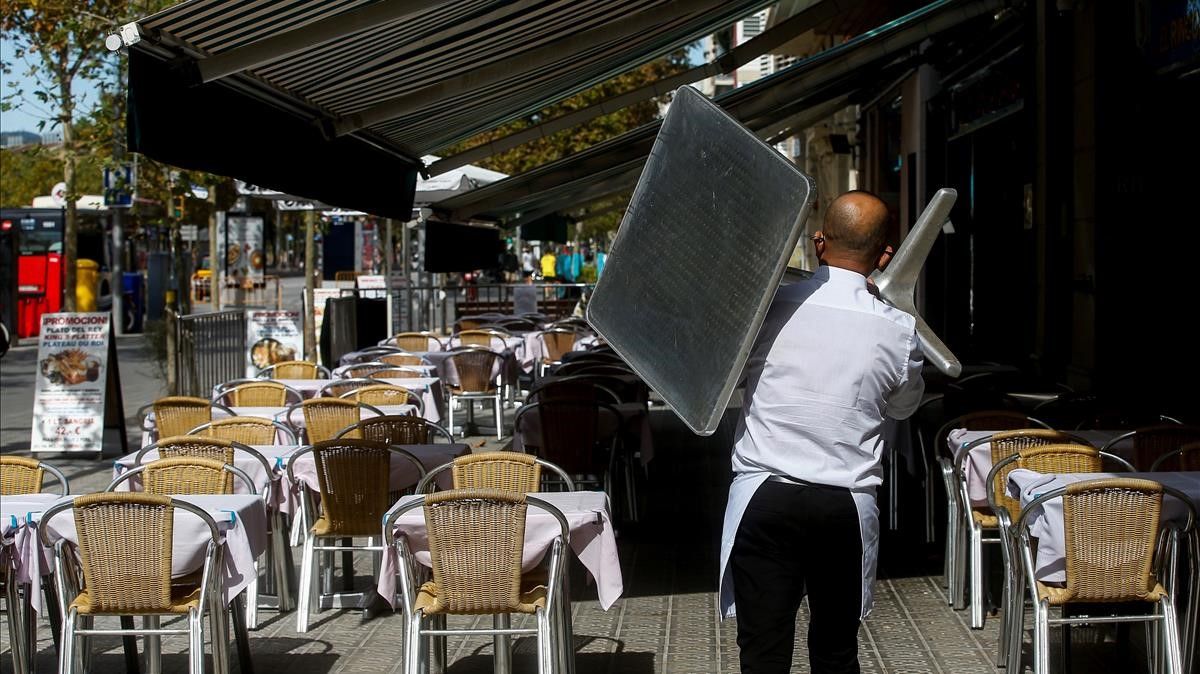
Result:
[70,220]
[310,264]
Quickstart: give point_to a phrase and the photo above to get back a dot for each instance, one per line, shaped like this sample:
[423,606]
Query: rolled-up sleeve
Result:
[906,397]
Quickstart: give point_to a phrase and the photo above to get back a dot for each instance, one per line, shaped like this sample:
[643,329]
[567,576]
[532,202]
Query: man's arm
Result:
[905,399]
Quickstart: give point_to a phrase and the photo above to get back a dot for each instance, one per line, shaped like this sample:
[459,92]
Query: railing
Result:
[209,349]
[438,307]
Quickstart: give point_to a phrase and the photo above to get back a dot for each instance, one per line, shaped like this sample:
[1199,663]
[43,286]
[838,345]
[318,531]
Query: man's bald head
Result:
[856,226]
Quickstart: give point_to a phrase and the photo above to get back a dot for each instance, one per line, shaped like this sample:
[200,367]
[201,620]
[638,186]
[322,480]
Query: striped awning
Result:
[413,76]
[795,97]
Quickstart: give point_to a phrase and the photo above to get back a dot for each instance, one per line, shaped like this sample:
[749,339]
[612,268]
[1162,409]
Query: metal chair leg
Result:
[129,646]
[153,646]
[242,638]
[16,631]
[307,588]
[499,420]
[502,645]
[1041,638]
[976,558]
[195,643]
[66,654]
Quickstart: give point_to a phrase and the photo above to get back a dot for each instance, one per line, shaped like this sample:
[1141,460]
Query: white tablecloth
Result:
[1047,526]
[19,541]
[592,540]
[276,456]
[978,463]
[241,520]
[429,388]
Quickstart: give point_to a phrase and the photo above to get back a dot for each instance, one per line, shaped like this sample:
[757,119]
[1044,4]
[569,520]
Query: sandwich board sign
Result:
[77,391]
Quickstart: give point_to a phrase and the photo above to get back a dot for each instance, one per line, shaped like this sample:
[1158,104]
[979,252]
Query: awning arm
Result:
[497,71]
[735,58]
[308,36]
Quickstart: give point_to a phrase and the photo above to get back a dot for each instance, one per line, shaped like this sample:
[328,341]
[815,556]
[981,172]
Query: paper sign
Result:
[319,297]
[272,337]
[241,243]
[70,385]
[374,287]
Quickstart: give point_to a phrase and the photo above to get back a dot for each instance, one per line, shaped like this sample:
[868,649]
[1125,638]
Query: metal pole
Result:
[215,259]
[117,285]
[408,284]
[310,263]
[387,273]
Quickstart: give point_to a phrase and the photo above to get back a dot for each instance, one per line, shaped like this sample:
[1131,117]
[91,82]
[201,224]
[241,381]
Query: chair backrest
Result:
[385,394]
[176,415]
[1061,459]
[557,342]
[361,370]
[187,475]
[1008,443]
[576,387]
[353,475]
[196,446]
[570,432]
[1111,527]
[507,471]
[395,373]
[258,394]
[22,475]
[401,359]
[475,368]
[1154,441]
[246,430]
[517,324]
[396,429]
[416,341]
[125,548]
[324,417]
[476,540]
[1186,458]
[372,353]
[984,420]
[339,388]
[476,338]
[293,369]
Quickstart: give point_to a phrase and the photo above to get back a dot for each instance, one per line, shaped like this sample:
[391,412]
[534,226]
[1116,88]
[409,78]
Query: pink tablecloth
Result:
[1048,527]
[18,539]
[241,520]
[592,540]
[429,388]
[276,456]
[277,413]
[978,463]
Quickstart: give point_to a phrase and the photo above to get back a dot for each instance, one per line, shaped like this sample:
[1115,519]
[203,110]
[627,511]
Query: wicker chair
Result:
[506,471]
[124,537]
[247,431]
[476,541]
[294,369]
[396,373]
[185,475]
[21,475]
[956,509]
[416,341]
[476,367]
[361,370]
[1186,457]
[1151,442]
[571,438]
[324,417]
[202,447]
[981,524]
[369,354]
[556,343]
[575,387]
[387,394]
[261,394]
[402,359]
[479,338]
[1111,531]
[176,415]
[396,429]
[353,477]
[340,387]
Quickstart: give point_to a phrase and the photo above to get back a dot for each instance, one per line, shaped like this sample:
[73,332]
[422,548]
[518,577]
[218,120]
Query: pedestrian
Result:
[527,263]
[548,271]
[830,363]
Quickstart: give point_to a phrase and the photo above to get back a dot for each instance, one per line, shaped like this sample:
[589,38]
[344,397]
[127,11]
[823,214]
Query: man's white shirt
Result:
[831,362]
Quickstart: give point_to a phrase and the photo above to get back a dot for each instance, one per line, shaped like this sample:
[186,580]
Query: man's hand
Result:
[885,258]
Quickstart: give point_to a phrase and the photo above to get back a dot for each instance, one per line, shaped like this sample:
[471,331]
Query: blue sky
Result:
[29,111]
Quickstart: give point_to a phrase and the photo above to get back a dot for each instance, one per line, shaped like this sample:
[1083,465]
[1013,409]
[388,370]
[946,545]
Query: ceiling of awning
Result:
[784,98]
[432,73]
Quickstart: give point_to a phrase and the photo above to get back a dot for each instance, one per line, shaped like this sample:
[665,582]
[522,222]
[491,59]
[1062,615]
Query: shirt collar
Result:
[839,275]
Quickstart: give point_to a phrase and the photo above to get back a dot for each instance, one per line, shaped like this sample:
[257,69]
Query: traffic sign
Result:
[119,183]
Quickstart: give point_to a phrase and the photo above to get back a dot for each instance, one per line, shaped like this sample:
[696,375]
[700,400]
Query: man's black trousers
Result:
[792,538]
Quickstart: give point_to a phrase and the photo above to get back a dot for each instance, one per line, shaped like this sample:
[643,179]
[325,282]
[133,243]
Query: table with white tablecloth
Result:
[428,388]
[277,414]
[592,540]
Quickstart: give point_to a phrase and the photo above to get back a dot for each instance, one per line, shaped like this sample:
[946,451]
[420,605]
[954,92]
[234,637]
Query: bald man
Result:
[831,362]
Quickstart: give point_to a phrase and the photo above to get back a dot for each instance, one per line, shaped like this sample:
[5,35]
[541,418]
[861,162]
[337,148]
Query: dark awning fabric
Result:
[216,129]
[451,247]
[613,166]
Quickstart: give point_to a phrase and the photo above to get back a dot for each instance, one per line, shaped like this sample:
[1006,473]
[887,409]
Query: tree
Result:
[569,141]
[30,171]
[62,42]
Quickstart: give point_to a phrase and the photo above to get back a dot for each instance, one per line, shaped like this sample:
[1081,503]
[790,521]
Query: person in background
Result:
[588,274]
[549,273]
[527,262]
[562,266]
[601,258]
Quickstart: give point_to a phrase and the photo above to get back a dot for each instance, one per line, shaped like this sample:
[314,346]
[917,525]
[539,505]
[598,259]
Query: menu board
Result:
[374,287]
[241,240]
[272,337]
[71,383]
